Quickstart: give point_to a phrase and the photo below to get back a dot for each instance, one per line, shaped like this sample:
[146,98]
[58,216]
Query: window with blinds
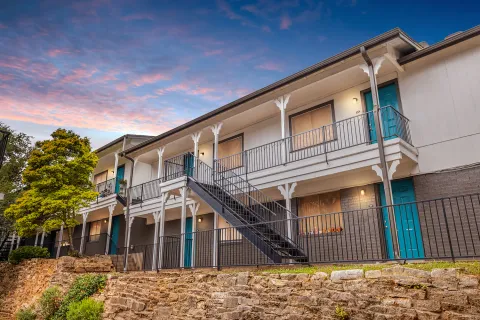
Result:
[101,177]
[94,234]
[312,127]
[322,213]
[231,148]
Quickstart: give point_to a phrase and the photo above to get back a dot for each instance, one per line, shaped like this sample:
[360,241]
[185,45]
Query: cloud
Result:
[150,78]
[80,75]
[285,22]
[56,52]
[138,16]
[266,29]
[213,52]
[270,66]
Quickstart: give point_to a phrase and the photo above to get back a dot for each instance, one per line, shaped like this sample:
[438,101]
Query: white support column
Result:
[36,239]
[13,241]
[115,165]
[216,133]
[160,152]
[60,240]
[215,238]
[164,199]
[281,103]
[183,192]
[18,241]
[157,217]
[194,209]
[84,230]
[111,208]
[129,233]
[287,193]
[42,238]
[196,139]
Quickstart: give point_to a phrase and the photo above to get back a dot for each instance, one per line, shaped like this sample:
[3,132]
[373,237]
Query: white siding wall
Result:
[441,96]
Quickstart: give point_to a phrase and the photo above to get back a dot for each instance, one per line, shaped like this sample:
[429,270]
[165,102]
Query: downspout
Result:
[127,211]
[381,151]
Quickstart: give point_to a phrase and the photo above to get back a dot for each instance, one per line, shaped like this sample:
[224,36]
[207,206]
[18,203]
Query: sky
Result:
[105,68]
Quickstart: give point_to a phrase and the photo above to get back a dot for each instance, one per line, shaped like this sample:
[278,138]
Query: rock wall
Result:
[393,293]
[21,285]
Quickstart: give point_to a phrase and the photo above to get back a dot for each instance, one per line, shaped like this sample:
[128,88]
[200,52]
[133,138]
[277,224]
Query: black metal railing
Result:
[93,244]
[347,133]
[105,188]
[439,229]
[146,191]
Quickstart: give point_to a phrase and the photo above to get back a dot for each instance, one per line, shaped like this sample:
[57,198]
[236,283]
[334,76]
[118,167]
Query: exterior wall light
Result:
[362,192]
[200,219]
[355,100]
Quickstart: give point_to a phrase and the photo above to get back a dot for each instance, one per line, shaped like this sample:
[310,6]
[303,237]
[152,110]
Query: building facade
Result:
[370,155]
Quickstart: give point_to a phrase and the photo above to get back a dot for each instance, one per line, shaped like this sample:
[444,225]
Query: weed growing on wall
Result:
[87,309]
[26,314]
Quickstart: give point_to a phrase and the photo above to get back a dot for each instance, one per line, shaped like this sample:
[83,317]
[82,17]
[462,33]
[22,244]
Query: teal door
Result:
[114,235]
[406,216]
[120,175]
[188,160]
[388,97]
[187,259]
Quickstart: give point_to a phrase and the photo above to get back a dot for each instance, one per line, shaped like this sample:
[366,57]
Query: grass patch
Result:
[470,267]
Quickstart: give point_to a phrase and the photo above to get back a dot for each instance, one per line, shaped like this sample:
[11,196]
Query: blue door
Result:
[406,216]
[388,97]
[187,260]
[115,233]
[120,175]
[188,160]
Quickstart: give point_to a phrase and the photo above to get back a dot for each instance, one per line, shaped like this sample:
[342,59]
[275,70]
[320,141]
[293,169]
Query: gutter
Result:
[473,32]
[387,36]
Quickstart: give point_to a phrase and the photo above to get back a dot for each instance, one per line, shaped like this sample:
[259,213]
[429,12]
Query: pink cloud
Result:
[213,52]
[270,66]
[188,88]
[150,78]
[122,86]
[30,69]
[6,77]
[79,75]
[56,52]
[2,26]
[266,29]
[138,16]
[285,22]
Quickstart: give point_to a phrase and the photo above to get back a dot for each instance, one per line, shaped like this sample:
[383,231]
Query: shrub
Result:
[27,252]
[74,253]
[82,288]
[341,314]
[26,314]
[50,302]
[87,309]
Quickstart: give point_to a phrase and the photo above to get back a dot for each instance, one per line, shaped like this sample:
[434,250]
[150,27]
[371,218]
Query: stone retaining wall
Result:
[393,293]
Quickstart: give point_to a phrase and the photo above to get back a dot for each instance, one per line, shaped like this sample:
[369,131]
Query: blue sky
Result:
[108,67]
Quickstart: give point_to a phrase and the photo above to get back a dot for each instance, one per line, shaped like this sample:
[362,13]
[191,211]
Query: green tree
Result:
[58,181]
[16,155]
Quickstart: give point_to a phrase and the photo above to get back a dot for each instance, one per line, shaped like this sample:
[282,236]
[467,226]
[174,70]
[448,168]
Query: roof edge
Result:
[373,42]
[470,33]
[119,139]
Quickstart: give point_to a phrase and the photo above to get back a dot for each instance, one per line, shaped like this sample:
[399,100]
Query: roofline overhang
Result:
[470,33]
[369,44]
[120,139]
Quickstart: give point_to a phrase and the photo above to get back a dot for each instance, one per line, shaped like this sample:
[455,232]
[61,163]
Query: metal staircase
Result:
[255,216]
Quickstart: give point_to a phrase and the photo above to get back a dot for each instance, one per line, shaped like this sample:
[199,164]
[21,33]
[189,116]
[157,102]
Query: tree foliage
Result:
[16,155]
[57,179]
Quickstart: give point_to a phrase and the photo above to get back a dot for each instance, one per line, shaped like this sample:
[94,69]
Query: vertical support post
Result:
[215,238]
[160,152]
[109,230]
[156,217]
[36,239]
[219,262]
[115,165]
[287,193]
[371,68]
[162,228]
[281,103]
[60,239]
[18,241]
[127,248]
[196,139]
[183,192]
[216,133]
[84,229]
[194,209]
[42,238]
[13,240]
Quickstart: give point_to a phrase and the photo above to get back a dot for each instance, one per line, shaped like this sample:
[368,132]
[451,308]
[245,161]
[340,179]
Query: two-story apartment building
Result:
[370,155]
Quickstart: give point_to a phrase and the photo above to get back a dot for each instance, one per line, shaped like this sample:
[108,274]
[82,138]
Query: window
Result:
[231,148]
[302,126]
[230,234]
[94,234]
[323,212]
[101,177]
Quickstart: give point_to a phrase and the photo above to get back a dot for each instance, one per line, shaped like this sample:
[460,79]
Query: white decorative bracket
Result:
[160,152]
[377,63]
[135,161]
[392,55]
[378,171]
[184,192]
[85,216]
[194,208]
[157,215]
[287,191]
[111,208]
[393,168]
[282,101]
[216,128]
[164,197]
[196,137]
